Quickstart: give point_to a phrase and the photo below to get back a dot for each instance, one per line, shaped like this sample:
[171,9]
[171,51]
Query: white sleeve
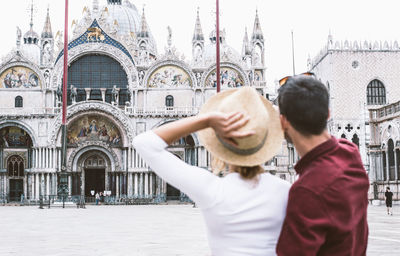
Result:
[200,185]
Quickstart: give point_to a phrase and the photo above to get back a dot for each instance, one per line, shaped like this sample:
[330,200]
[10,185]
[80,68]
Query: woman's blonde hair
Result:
[246,172]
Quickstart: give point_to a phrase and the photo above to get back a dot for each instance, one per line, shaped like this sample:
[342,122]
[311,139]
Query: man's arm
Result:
[305,226]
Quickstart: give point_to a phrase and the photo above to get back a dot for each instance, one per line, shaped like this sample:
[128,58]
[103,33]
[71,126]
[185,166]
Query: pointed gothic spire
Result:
[31,23]
[144,28]
[47,33]
[198,32]
[257,32]
[95,6]
[246,47]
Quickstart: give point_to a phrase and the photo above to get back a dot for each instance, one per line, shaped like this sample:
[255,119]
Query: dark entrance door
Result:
[16,189]
[173,193]
[94,180]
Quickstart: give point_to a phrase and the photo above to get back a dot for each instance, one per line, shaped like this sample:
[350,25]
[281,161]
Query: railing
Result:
[385,111]
[28,111]
[162,111]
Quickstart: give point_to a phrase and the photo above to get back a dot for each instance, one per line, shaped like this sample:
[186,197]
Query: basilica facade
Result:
[119,85]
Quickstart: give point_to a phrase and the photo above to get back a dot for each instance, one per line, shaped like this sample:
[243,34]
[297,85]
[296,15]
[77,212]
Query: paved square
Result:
[138,230]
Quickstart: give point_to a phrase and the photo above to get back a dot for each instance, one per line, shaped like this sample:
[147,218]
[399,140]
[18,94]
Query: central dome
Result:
[125,14]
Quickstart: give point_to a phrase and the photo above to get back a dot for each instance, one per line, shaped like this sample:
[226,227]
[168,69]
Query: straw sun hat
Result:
[264,121]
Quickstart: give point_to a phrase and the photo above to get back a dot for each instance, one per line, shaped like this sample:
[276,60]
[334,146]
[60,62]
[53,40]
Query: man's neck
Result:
[305,144]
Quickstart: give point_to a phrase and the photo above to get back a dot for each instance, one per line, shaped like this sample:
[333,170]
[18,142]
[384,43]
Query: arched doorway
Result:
[95,174]
[15,171]
[184,149]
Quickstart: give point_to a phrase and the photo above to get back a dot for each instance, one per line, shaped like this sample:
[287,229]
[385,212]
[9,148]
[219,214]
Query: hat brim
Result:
[270,148]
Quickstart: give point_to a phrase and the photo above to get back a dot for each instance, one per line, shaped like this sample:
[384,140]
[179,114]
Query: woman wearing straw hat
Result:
[245,209]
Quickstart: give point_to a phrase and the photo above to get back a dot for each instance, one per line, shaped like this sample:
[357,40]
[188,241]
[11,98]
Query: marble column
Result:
[117,185]
[103,94]
[136,184]
[151,184]
[29,184]
[32,195]
[55,183]
[129,192]
[42,185]
[146,184]
[37,186]
[51,158]
[83,182]
[36,158]
[69,185]
[107,180]
[125,161]
[87,90]
[395,165]
[141,189]
[26,185]
[129,157]
[47,184]
[387,165]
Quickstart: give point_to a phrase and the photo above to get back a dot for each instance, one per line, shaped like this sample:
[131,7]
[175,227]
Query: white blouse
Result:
[242,217]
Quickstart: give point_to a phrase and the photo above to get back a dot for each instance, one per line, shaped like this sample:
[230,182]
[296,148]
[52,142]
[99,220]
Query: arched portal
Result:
[15,170]
[92,171]
[184,149]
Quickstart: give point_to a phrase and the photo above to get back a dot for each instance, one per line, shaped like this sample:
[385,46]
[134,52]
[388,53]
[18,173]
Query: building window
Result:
[169,101]
[15,167]
[376,93]
[19,102]
[97,71]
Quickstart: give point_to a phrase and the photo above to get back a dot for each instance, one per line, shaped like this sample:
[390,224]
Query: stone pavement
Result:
[138,230]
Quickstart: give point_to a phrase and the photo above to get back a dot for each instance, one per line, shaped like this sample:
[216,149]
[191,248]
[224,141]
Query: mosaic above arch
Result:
[12,136]
[19,77]
[230,78]
[93,128]
[169,76]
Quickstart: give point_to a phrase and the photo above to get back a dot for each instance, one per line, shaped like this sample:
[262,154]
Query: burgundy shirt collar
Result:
[314,153]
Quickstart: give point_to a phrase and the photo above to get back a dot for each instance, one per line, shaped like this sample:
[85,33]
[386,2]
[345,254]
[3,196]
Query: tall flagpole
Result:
[217,45]
[63,184]
[294,71]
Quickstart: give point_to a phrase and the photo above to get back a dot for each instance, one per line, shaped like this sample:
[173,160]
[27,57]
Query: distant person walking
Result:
[388,199]
[97,198]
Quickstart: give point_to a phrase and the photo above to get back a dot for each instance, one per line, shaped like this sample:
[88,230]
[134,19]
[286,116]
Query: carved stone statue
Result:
[59,93]
[169,39]
[114,94]
[19,35]
[74,93]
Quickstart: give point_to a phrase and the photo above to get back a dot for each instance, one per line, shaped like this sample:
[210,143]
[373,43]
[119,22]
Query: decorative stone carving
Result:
[97,145]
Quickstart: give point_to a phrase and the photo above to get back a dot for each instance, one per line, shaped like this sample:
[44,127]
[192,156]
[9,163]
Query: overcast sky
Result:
[311,21]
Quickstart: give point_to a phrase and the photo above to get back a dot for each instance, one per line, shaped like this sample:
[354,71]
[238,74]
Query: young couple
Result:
[251,212]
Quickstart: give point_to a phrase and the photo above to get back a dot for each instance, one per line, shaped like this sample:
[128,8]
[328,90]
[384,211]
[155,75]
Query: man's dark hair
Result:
[304,101]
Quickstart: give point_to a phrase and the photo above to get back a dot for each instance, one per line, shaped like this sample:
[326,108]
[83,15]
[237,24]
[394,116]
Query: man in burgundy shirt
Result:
[327,206]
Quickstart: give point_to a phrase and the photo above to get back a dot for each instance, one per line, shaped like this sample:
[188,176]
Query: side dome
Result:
[227,52]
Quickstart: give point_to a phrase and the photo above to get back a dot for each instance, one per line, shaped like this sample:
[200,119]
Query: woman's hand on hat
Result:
[227,125]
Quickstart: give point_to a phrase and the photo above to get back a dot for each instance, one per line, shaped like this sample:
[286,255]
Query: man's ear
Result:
[284,122]
[329,114]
